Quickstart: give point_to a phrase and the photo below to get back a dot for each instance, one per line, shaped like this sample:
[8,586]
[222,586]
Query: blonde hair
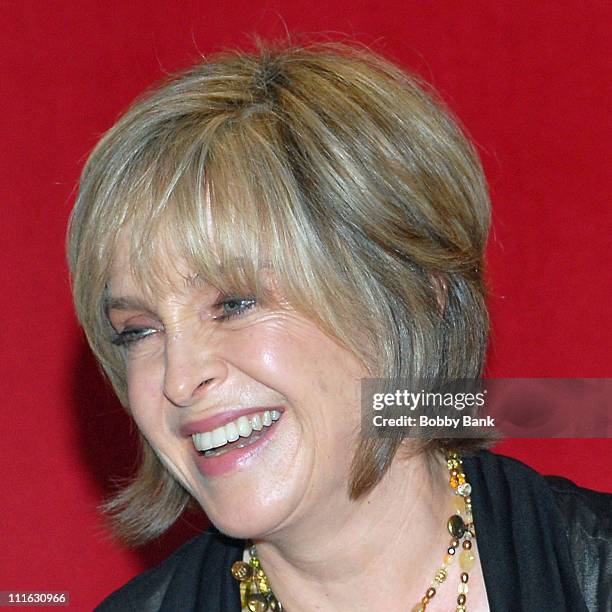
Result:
[324,162]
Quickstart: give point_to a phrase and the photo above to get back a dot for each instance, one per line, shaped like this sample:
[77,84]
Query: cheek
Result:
[144,393]
[280,352]
[294,357]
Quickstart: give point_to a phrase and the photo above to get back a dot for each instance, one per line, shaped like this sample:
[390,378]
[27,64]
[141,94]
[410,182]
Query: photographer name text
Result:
[439,421]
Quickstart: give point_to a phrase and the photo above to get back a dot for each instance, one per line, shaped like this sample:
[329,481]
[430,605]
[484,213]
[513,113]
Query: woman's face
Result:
[196,365]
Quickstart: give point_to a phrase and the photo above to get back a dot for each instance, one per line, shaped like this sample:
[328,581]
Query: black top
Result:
[545,545]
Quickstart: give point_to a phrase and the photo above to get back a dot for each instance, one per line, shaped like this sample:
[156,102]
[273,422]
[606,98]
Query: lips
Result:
[241,429]
[250,430]
[221,418]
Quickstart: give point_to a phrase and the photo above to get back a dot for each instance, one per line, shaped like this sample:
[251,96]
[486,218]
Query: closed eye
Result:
[234,307]
[131,335]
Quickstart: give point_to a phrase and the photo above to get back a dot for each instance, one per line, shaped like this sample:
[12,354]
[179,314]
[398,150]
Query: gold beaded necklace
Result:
[256,594]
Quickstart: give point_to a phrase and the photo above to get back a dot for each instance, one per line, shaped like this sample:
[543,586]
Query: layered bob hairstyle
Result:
[328,165]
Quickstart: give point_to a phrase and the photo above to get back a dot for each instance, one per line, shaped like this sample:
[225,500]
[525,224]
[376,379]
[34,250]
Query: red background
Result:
[527,81]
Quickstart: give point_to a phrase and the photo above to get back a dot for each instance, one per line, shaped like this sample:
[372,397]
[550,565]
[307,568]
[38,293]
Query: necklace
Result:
[256,594]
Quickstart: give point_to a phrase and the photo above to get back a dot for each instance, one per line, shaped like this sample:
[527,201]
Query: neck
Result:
[378,552]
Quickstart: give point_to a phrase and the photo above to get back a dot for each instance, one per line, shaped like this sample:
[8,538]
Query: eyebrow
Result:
[193,281]
[123,303]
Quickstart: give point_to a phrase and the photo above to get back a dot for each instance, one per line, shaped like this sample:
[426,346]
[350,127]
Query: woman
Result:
[250,241]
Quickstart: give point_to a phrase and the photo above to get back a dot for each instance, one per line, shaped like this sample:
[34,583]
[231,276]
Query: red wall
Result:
[526,79]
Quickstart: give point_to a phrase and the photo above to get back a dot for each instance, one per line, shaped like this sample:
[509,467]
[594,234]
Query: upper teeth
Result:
[241,427]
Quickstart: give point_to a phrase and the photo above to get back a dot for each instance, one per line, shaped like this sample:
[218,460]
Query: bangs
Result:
[224,209]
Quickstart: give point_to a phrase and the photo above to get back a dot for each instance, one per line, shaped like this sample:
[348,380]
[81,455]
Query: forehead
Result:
[162,269]
[165,271]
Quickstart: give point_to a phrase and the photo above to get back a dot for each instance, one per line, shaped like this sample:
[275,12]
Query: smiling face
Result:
[211,365]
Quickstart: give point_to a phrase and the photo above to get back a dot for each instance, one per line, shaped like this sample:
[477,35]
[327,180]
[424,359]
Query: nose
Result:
[191,371]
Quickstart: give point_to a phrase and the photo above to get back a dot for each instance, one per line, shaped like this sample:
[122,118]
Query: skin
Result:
[321,551]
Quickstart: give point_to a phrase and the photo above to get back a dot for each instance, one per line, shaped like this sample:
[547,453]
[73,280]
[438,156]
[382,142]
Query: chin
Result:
[249,504]
[255,494]
[249,520]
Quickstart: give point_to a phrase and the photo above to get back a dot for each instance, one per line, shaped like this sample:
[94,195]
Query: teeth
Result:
[206,440]
[256,422]
[218,437]
[203,441]
[242,427]
[231,431]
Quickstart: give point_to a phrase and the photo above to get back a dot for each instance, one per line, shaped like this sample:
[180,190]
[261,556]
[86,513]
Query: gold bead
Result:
[440,576]
[467,544]
[241,570]
[448,559]
[467,559]
[459,504]
[461,599]
[256,603]
[453,461]
[252,588]
[430,592]
[464,577]
[418,608]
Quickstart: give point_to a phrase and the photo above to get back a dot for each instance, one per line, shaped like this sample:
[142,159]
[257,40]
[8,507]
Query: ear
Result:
[440,286]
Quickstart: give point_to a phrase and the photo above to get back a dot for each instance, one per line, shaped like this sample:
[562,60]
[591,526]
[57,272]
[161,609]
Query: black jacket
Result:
[545,545]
